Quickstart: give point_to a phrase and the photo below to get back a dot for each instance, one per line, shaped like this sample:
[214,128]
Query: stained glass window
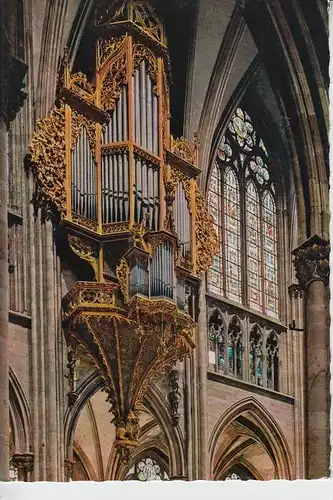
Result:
[232,236]
[253,246]
[241,198]
[270,254]
[215,276]
[147,469]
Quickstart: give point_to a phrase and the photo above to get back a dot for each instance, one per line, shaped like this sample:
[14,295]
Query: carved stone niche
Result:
[312,261]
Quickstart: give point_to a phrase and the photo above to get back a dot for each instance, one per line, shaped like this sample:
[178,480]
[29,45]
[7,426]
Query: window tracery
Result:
[241,199]
[147,469]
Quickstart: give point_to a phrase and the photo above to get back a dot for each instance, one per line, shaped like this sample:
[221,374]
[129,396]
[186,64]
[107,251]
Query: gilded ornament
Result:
[116,227]
[86,223]
[47,154]
[79,84]
[122,273]
[79,121]
[207,244]
[142,53]
[85,249]
[108,47]
[185,149]
[113,81]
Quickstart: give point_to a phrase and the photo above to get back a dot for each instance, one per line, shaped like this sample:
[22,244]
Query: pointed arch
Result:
[19,414]
[265,429]
[154,402]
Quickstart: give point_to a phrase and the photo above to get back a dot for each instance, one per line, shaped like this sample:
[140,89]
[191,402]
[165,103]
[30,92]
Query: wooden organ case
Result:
[124,198]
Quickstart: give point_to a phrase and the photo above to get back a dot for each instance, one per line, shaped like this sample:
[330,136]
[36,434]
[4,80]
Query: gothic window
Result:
[272,361]
[147,469]
[241,198]
[217,344]
[235,349]
[256,356]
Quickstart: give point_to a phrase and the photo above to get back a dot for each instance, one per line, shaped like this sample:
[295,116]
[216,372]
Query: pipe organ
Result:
[124,194]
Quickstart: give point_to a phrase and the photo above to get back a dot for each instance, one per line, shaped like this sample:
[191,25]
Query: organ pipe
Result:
[83,179]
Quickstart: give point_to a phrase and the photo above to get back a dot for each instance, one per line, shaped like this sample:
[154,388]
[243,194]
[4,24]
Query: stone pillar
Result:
[24,463]
[312,272]
[12,71]
[202,372]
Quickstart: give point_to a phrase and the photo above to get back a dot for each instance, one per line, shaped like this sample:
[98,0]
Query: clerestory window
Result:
[242,201]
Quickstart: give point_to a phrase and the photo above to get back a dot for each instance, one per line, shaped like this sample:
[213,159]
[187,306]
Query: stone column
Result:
[12,71]
[202,372]
[312,272]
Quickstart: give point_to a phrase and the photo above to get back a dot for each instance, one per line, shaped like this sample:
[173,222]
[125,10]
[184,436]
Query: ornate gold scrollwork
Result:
[140,53]
[122,273]
[112,13]
[144,16]
[79,83]
[48,163]
[78,122]
[85,249]
[185,149]
[114,79]
[116,227]
[88,294]
[86,223]
[206,238]
[108,47]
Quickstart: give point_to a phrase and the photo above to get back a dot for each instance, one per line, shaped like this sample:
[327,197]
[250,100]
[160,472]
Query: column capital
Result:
[24,463]
[312,261]
[69,469]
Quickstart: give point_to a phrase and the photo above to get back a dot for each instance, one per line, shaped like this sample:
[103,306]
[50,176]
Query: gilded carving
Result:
[108,14]
[47,162]
[87,223]
[116,227]
[88,294]
[138,152]
[112,83]
[206,238]
[144,16]
[79,84]
[85,249]
[312,261]
[122,273]
[185,149]
[78,122]
[108,47]
[141,53]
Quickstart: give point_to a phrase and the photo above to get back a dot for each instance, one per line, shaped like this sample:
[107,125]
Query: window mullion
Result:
[224,264]
[262,255]
[243,236]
